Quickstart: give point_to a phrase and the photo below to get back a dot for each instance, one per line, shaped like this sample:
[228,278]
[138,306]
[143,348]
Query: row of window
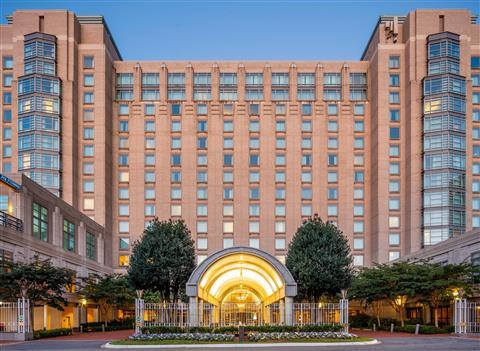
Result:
[254,126]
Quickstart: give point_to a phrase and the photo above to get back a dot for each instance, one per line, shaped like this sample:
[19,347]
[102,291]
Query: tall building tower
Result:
[387,147]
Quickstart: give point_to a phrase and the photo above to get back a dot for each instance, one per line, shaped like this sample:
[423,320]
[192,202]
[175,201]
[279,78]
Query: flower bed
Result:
[254,336]
[183,336]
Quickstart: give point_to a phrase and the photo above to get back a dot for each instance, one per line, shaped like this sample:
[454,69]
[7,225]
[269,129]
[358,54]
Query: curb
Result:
[109,345]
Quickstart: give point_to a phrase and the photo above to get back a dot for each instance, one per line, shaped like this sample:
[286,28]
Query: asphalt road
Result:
[388,344]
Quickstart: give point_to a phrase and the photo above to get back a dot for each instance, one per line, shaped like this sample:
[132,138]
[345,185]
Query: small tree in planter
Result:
[319,259]
[39,281]
[163,259]
[107,291]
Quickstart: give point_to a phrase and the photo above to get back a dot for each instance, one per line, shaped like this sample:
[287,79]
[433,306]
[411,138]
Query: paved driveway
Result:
[388,344]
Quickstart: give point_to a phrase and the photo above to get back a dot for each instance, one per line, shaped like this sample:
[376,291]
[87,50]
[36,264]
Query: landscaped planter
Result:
[184,336]
[300,335]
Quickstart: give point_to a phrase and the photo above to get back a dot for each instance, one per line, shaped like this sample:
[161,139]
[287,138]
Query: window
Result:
[228,210]
[123,126]
[394,150]
[358,227]
[332,193]
[394,80]
[40,222]
[228,126]
[332,109]
[7,100]
[88,98]
[254,109]
[358,260]
[280,227]
[394,97]
[394,133]
[280,126]
[7,62]
[358,210]
[358,143]
[332,177]
[394,239]
[394,204]
[202,126]
[149,210]
[88,133]
[393,255]
[254,176]
[475,62]
[88,80]
[332,160]
[306,109]
[88,150]
[91,246]
[358,193]
[123,109]
[358,244]
[306,126]
[254,126]
[280,244]
[7,80]
[88,186]
[332,126]
[394,115]
[149,110]
[358,126]
[88,62]
[394,222]
[228,227]
[332,143]
[359,109]
[123,260]
[394,62]
[124,244]
[394,168]
[228,160]
[176,109]
[332,210]
[7,115]
[68,236]
[254,242]
[254,227]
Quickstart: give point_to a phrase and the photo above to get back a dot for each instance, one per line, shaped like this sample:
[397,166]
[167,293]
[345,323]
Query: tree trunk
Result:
[378,317]
[435,314]
[402,322]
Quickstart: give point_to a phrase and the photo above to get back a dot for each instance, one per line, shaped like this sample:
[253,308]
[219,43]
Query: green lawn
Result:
[179,342]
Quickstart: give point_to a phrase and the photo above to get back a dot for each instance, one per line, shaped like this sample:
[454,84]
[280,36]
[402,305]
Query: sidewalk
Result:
[385,334]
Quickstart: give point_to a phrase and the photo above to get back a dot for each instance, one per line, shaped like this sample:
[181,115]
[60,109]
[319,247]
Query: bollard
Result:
[391,328]
[103,328]
[374,327]
[81,329]
[417,329]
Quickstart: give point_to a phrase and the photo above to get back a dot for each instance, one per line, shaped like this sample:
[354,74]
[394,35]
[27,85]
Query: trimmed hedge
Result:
[424,329]
[111,326]
[250,328]
[40,334]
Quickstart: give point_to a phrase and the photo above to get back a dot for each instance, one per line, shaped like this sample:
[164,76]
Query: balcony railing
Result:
[8,221]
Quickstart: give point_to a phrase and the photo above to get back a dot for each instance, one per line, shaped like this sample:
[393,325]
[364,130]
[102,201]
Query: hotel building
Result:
[387,147]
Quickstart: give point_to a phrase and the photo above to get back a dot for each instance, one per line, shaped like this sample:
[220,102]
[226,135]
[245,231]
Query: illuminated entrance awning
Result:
[241,273]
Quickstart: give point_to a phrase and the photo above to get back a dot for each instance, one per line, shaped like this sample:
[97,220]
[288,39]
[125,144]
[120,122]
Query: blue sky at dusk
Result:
[238,29]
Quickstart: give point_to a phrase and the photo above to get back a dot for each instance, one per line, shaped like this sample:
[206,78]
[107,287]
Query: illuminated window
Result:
[123,260]
[228,227]
[88,204]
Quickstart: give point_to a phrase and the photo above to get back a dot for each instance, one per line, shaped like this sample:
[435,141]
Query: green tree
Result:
[163,259]
[369,287]
[442,280]
[107,291]
[39,281]
[319,259]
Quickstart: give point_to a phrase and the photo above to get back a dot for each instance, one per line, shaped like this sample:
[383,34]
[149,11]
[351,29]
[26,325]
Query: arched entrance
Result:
[241,285]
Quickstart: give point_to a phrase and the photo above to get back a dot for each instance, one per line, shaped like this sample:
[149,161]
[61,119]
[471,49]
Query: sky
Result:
[239,29]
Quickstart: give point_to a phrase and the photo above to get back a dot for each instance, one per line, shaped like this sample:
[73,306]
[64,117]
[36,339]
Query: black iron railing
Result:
[11,222]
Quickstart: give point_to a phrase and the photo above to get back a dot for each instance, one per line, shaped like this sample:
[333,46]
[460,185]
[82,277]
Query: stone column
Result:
[100,249]
[193,312]
[288,310]
[281,308]
[81,240]
[57,228]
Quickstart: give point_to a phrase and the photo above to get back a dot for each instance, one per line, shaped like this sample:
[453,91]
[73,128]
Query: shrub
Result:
[40,334]
[299,335]
[361,320]
[247,329]
[184,336]
[424,329]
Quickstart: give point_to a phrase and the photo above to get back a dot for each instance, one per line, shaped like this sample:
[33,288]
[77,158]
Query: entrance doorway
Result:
[239,286]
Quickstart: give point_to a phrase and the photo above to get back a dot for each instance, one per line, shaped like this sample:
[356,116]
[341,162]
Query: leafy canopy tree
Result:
[441,280]
[399,282]
[106,291]
[39,281]
[163,259]
[319,259]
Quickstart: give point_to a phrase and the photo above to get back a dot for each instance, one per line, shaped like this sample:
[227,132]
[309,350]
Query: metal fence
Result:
[15,316]
[234,314]
[466,317]
[9,221]
[316,313]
